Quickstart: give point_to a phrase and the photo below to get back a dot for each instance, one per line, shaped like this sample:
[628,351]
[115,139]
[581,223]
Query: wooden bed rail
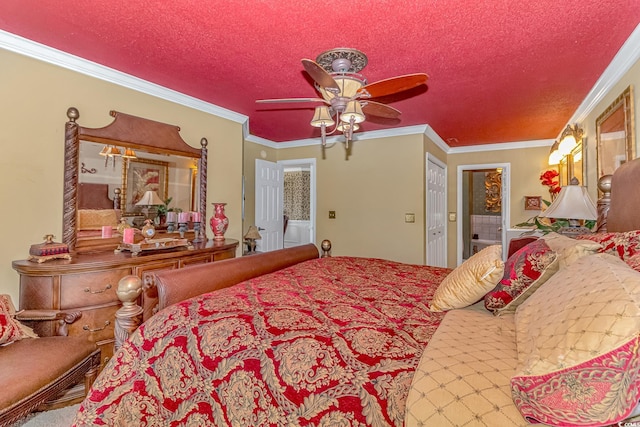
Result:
[181,284]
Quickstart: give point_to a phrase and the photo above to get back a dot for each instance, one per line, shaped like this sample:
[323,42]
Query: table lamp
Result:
[250,238]
[573,204]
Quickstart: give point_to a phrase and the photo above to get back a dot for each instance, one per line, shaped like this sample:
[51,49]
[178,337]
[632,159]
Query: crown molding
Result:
[26,47]
[626,57]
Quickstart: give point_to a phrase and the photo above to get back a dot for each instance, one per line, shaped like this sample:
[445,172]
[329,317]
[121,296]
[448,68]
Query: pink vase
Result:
[219,221]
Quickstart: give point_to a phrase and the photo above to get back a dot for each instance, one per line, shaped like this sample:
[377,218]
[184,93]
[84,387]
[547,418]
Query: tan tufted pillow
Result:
[470,281]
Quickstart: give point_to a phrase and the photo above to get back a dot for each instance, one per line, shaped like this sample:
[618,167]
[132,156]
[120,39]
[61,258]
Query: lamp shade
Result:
[253,233]
[344,127]
[353,111]
[321,117]
[150,198]
[567,144]
[129,154]
[554,155]
[573,202]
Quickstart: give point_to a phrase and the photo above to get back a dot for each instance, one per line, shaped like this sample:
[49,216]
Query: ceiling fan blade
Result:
[380,110]
[319,74]
[288,100]
[395,84]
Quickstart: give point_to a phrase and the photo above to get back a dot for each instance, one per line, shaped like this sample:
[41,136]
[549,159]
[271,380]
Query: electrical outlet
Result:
[409,217]
[332,214]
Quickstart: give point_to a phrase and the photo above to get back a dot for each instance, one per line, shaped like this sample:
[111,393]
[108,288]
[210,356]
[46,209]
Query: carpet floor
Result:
[57,418]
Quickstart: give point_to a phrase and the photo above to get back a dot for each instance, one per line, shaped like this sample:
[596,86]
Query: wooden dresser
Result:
[88,283]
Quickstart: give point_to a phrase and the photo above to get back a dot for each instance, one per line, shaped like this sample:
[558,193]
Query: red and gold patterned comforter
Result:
[328,342]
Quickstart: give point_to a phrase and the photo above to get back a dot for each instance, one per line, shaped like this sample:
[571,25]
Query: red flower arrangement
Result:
[548,178]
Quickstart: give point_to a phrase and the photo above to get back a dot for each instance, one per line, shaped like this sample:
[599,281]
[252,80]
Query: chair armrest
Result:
[64,318]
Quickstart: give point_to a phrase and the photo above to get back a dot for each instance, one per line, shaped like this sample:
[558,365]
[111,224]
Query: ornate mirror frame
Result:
[129,132]
[615,134]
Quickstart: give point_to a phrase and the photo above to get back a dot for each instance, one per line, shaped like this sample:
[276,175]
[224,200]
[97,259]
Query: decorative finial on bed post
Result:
[73,114]
[326,248]
[604,184]
[129,316]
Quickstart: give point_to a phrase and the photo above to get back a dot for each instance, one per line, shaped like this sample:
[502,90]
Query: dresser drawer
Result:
[96,324]
[196,259]
[226,254]
[90,289]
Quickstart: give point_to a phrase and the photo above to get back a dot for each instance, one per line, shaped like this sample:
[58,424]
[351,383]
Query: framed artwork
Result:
[532,203]
[141,175]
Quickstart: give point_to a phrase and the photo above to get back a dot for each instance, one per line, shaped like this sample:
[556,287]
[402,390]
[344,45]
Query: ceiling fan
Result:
[346,94]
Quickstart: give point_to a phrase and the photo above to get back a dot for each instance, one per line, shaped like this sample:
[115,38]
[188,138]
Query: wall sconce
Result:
[569,139]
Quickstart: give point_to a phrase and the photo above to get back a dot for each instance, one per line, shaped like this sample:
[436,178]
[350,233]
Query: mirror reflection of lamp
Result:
[149,200]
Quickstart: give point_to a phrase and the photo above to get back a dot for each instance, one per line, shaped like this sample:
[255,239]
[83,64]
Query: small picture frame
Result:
[533,203]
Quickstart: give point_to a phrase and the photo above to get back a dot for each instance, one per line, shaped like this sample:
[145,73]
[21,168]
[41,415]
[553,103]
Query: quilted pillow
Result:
[468,283]
[568,249]
[524,272]
[577,341]
[10,329]
[623,244]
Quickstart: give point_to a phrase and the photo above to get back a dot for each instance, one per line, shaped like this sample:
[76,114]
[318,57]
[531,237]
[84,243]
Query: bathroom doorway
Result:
[483,208]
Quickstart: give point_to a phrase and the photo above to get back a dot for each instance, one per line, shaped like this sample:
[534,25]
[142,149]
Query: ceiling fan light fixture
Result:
[345,127]
[353,113]
[321,117]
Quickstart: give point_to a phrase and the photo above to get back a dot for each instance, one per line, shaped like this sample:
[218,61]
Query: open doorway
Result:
[299,201]
[483,208]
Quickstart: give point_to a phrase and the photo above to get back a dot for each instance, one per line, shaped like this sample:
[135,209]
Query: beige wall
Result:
[370,192]
[34,101]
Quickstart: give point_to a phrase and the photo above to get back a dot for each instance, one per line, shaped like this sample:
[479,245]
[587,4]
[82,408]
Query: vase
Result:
[219,221]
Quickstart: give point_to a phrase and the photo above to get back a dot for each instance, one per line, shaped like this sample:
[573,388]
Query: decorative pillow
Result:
[10,329]
[623,244]
[569,250]
[468,283]
[577,339]
[524,272]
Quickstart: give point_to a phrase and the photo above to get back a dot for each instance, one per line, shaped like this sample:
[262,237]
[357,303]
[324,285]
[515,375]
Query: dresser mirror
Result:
[108,170]
[615,134]
[172,177]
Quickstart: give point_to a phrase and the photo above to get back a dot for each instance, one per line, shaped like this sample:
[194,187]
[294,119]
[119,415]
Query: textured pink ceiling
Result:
[499,70]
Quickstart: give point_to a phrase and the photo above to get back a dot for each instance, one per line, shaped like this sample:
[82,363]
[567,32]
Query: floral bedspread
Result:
[328,342]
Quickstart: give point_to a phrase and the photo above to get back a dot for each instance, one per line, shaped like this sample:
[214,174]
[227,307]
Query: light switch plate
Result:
[332,214]
[409,217]
[452,216]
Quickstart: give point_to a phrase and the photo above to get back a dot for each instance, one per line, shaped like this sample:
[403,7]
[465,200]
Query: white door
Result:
[436,212]
[269,205]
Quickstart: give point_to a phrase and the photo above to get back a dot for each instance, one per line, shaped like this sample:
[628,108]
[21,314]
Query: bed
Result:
[289,338]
